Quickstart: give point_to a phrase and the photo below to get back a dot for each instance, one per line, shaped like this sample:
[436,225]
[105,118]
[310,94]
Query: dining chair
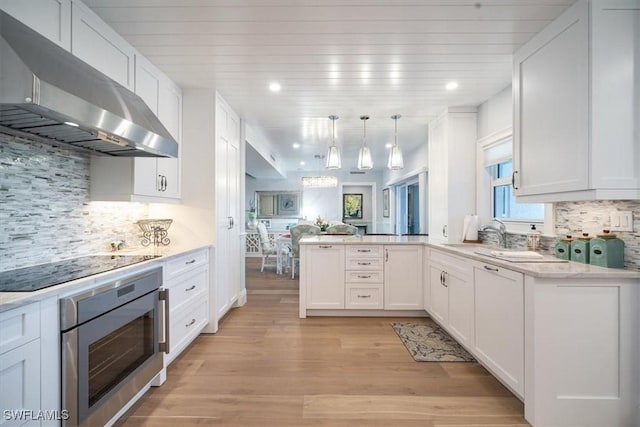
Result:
[268,248]
[342,229]
[297,232]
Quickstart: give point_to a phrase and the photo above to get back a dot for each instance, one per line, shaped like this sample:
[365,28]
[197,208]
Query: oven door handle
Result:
[164,297]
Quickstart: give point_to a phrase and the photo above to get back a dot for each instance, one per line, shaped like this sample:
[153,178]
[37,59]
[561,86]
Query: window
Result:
[503,202]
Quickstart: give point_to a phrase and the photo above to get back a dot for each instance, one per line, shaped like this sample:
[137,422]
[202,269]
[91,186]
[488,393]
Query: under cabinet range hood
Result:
[47,92]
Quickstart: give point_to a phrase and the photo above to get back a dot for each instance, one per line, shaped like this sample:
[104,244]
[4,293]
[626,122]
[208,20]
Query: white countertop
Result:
[9,300]
[558,270]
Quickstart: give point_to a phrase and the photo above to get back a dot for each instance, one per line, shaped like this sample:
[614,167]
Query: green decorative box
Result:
[607,251]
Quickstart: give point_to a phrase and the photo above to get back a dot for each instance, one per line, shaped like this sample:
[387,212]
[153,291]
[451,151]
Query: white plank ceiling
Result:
[342,57]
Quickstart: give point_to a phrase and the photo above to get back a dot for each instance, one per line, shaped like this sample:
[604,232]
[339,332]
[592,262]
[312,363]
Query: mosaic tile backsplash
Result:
[591,217]
[45,211]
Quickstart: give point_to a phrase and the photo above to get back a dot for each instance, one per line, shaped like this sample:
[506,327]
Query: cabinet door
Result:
[97,44]
[170,114]
[20,379]
[51,18]
[438,184]
[460,323]
[551,100]
[324,276]
[439,295]
[499,322]
[403,277]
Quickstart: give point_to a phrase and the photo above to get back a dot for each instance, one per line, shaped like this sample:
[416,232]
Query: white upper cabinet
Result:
[97,44]
[51,18]
[452,163]
[576,104]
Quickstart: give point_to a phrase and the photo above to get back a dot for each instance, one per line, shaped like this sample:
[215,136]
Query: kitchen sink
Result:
[517,255]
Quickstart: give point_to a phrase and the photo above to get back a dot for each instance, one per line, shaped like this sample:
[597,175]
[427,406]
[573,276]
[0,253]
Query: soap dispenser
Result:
[580,248]
[533,239]
[563,247]
[607,250]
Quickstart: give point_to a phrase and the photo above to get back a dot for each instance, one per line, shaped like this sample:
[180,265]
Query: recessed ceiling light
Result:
[75,125]
[452,85]
[301,163]
[295,145]
[274,87]
[388,145]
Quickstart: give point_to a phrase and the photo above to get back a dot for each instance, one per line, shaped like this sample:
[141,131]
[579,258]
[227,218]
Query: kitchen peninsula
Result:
[540,328]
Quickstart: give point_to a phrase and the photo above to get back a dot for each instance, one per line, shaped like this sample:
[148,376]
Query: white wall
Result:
[496,113]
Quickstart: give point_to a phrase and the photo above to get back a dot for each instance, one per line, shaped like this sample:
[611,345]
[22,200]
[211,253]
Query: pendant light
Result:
[364,157]
[333,156]
[395,155]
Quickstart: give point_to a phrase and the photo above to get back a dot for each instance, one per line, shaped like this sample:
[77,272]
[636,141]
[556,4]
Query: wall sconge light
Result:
[364,156]
[333,155]
[395,155]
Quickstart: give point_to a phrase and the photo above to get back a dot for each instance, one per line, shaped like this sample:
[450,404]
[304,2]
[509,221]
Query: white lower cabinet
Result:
[20,383]
[499,322]
[364,277]
[451,295]
[403,277]
[322,268]
[187,279]
[30,382]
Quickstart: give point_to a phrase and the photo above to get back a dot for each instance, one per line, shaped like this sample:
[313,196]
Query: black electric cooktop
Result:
[42,276]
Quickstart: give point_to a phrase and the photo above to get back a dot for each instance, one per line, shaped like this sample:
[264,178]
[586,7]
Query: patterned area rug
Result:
[430,343]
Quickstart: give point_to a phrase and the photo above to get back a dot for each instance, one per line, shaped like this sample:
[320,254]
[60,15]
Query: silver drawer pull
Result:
[190,323]
[364,263]
[190,262]
[325,246]
[364,277]
[486,267]
[364,296]
[190,288]
[364,250]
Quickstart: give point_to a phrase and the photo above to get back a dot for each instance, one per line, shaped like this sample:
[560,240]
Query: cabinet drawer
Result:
[186,324]
[451,263]
[362,251]
[19,326]
[184,288]
[364,277]
[181,264]
[364,264]
[364,296]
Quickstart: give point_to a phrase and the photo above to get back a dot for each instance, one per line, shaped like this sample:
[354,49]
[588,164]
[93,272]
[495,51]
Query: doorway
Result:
[408,208]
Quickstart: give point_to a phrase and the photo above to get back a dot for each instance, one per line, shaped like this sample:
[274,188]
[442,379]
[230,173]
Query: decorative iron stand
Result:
[155,231]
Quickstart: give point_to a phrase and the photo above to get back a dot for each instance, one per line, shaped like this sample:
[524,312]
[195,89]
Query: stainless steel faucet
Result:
[500,229]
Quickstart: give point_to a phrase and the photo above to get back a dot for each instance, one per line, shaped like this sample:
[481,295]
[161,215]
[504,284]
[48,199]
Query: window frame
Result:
[485,183]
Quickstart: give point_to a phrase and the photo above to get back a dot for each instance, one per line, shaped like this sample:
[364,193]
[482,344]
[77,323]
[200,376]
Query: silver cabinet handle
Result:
[325,246]
[444,230]
[364,250]
[192,287]
[364,263]
[364,277]
[386,255]
[190,323]
[164,183]
[159,182]
[513,180]
[486,267]
[164,296]
[364,296]
[190,262]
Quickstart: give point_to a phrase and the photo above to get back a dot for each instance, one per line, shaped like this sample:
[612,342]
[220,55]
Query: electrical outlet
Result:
[621,221]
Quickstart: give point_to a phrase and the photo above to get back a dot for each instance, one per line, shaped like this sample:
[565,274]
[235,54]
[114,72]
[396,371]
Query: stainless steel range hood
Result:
[47,92]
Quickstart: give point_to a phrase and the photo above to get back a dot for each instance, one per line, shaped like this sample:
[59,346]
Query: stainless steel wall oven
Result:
[110,346]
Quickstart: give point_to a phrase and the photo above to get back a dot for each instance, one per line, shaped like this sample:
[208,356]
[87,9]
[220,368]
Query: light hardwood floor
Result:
[267,367]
